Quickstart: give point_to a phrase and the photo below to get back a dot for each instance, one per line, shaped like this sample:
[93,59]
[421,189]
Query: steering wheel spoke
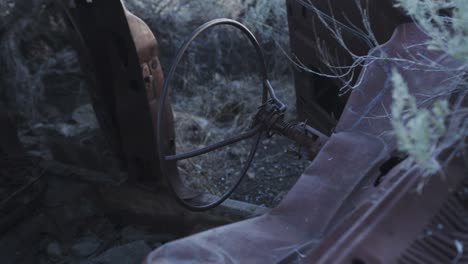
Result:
[252,132]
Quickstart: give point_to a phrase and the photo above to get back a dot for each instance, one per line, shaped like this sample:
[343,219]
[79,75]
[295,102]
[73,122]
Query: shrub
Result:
[425,133]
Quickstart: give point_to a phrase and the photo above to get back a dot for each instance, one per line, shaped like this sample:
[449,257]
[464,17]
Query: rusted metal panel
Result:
[384,231]
[317,97]
[394,215]
[120,55]
[340,191]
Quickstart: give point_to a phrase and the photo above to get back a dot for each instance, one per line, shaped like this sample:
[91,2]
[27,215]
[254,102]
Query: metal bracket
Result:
[271,118]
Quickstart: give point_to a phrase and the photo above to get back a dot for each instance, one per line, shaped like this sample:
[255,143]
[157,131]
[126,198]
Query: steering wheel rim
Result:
[256,131]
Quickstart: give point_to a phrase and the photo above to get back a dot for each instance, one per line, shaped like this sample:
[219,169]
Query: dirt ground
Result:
[204,118]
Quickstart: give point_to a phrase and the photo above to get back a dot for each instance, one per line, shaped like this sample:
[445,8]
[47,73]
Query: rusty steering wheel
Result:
[256,130]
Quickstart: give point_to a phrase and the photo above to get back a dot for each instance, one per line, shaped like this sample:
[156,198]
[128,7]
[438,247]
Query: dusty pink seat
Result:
[330,188]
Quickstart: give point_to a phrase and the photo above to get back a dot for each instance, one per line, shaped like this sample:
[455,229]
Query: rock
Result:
[86,246]
[54,250]
[129,253]
[251,175]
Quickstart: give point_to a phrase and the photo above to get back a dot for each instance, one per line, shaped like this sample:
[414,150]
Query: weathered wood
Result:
[71,172]
[150,201]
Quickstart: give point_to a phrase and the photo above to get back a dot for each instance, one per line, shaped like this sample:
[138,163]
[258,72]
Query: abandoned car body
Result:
[357,201]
